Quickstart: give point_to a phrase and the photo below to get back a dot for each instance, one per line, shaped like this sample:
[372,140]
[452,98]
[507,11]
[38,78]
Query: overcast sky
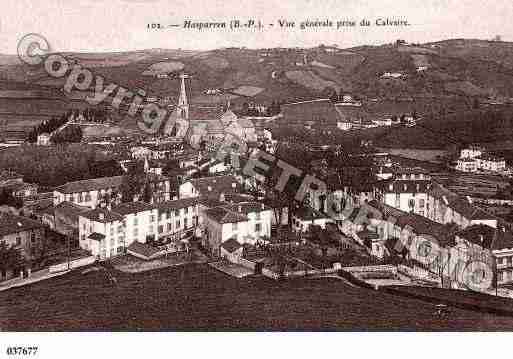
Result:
[116,25]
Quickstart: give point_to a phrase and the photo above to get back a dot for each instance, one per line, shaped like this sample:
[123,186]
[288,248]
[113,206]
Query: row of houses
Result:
[210,208]
[477,159]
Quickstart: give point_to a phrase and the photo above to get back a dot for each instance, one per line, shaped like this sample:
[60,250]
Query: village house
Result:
[444,206]
[177,218]
[13,182]
[406,195]
[304,217]
[466,165]
[24,234]
[209,186]
[490,163]
[110,232]
[246,222]
[472,152]
[43,139]
[91,193]
[485,244]
[88,193]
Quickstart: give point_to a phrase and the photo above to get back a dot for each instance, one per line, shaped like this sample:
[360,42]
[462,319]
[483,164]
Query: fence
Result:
[76,263]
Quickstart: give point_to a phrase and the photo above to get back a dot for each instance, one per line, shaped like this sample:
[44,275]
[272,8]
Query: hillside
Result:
[451,72]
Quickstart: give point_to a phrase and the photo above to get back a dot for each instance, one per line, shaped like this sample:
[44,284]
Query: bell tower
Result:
[183,105]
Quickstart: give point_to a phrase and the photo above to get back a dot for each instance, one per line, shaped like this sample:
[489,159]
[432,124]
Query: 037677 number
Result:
[22,351]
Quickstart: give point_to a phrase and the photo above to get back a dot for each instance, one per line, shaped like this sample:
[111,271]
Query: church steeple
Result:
[183,105]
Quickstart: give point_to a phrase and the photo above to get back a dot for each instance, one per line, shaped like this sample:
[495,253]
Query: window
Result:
[185,222]
[257,216]
[177,213]
[152,218]
[112,243]
[411,203]
[178,224]
[136,232]
[258,227]
[111,230]
[18,241]
[151,229]
[135,221]
[168,214]
[88,197]
[80,197]
[32,237]
[235,226]
[161,229]
[186,210]
[169,227]
[120,229]
[421,203]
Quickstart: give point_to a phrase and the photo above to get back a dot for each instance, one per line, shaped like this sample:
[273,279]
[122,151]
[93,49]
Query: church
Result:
[206,124]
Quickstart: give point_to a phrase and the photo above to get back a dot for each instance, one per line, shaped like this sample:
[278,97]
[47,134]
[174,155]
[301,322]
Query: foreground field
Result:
[196,297]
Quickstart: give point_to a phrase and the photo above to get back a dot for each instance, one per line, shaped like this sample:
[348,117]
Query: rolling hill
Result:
[454,72]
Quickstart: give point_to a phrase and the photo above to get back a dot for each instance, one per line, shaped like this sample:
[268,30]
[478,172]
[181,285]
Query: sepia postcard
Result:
[170,170]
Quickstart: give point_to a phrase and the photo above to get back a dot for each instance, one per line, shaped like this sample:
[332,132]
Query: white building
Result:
[466,165]
[44,139]
[87,192]
[246,222]
[471,152]
[209,186]
[487,162]
[107,233]
[407,195]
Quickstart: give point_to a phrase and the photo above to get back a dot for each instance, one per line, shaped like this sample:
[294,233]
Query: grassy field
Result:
[196,297]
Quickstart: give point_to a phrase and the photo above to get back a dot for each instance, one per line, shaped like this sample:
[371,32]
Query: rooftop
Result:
[308,213]
[131,207]
[223,215]
[216,185]
[10,224]
[487,237]
[231,245]
[102,215]
[91,184]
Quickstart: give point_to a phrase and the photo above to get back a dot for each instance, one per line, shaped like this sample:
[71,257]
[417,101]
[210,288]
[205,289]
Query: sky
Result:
[121,25]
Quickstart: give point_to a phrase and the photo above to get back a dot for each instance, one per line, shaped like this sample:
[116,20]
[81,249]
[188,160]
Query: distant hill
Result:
[451,72]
